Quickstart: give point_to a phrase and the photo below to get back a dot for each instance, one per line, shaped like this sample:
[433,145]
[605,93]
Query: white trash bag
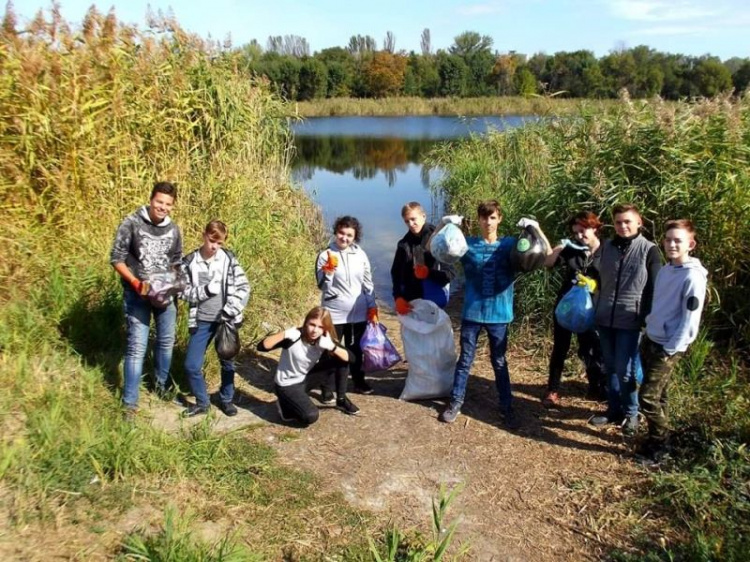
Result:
[449,244]
[429,348]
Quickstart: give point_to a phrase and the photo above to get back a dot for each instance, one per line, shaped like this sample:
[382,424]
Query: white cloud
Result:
[665,10]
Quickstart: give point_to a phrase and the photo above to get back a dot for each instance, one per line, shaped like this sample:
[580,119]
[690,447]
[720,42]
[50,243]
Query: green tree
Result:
[425,79]
[454,75]
[476,52]
[710,77]
[741,78]
[526,83]
[313,79]
[577,74]
[342,68]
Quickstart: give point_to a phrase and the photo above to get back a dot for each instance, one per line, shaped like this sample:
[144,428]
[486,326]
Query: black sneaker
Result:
[362,388]
[450,414]
[326,396]
[510,420]
[193,410]
[228,408]
[347,406]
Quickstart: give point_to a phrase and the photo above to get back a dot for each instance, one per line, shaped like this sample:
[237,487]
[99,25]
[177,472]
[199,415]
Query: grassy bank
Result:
[90,119]
[532,105]
[685,160]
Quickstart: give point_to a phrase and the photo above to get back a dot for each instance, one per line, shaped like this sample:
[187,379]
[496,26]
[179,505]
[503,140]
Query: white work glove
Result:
[325,342]
[524,222]
[568,243]
[291,334]
[452,219]
[214,285]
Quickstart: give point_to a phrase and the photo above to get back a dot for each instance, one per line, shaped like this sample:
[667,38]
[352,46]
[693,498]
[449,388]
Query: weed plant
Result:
[685,160]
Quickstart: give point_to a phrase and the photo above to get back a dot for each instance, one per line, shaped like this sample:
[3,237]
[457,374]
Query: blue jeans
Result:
[200,338]
[620,352]
[498,336]
[138,313]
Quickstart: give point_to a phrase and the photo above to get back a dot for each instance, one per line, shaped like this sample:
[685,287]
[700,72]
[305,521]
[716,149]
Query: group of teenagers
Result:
[646,313]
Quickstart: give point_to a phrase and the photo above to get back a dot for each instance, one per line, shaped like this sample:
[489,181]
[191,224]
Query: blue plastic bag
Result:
[575,311]
[448,245]
[378,353]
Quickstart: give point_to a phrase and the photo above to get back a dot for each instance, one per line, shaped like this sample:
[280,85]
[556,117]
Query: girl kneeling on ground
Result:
[313,347]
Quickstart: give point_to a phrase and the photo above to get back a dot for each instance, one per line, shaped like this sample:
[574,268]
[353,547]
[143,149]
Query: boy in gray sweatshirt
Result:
[679,294]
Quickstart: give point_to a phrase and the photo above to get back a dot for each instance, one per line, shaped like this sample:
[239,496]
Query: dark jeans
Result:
[200,338]
[349,336]
[589,351]
[498,336]
[657,370]
[293,399]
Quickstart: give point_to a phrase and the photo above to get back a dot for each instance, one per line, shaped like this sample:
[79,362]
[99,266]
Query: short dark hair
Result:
[486,208]
[625,208]
[685,224]
[216,231]
[348,222]
[165,187]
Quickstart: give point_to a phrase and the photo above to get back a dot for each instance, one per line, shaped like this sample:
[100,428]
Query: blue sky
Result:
[692,27]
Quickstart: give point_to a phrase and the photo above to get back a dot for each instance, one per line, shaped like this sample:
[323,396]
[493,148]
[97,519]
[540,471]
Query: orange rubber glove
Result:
[402,306]
[421,271]
[331,263]
[372,315]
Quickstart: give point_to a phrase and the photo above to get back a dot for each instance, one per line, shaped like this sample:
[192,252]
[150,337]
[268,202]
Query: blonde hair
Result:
[322,314]
[411,206]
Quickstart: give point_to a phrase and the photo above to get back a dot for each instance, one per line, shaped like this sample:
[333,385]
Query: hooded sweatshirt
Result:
[146,247]
[679,294]
[347,292]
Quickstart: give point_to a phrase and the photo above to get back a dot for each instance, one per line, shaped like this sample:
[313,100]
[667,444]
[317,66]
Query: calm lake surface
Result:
[368,167]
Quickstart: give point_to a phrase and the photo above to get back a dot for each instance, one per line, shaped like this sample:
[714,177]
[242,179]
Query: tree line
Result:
[471,68]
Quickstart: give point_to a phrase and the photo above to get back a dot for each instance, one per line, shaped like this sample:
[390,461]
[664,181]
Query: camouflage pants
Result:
[657,370]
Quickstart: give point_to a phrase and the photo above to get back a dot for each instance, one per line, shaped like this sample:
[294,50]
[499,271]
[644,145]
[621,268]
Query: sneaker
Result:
[228,408]
[599,421]
[326,396]
[170,395]
[509,419]
[281,413]
[362,388]
[450,414]
[551,399]
[129,414]
[347,406]
[193,410]
[630,426]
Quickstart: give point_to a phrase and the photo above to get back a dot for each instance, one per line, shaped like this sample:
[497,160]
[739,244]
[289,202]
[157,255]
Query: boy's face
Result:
[678,243]
[627,223]
[314,329]
[489,224]
[159,207]
[345,237]
[211,245]
[415,220]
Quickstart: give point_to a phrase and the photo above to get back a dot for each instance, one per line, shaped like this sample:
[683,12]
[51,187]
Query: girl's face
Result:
[627,223]
[345,237]
[584,235]
[314,329]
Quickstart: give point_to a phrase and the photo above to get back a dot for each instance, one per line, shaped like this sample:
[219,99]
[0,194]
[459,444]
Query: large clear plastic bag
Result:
[378,352]
[449,244]
[164,285]
[427,334]
[575,311]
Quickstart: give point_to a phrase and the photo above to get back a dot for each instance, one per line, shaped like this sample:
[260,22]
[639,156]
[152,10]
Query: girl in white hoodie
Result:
[344,277]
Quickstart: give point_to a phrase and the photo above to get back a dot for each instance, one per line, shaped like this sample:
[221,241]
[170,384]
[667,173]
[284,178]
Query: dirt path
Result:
[531,494]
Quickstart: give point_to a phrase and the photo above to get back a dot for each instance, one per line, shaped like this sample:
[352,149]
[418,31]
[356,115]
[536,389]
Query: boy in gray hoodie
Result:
[679,294]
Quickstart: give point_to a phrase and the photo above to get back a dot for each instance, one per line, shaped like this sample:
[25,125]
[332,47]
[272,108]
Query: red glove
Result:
[372,315]
[402,306]
[421,271]
[140,287]
[331,263]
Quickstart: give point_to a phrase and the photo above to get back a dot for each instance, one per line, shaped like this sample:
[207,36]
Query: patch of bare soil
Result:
[536,493]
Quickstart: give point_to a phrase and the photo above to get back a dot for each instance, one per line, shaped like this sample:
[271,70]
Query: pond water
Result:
[368,167]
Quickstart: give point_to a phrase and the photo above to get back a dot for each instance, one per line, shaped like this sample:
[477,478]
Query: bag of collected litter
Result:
[164,285]
[530,250]
[429,348]
[575,311]
[227,340]
[448,245]
[378,353]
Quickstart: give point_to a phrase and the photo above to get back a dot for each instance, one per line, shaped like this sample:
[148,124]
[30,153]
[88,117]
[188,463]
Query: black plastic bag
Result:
[529,252]
[227,340]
